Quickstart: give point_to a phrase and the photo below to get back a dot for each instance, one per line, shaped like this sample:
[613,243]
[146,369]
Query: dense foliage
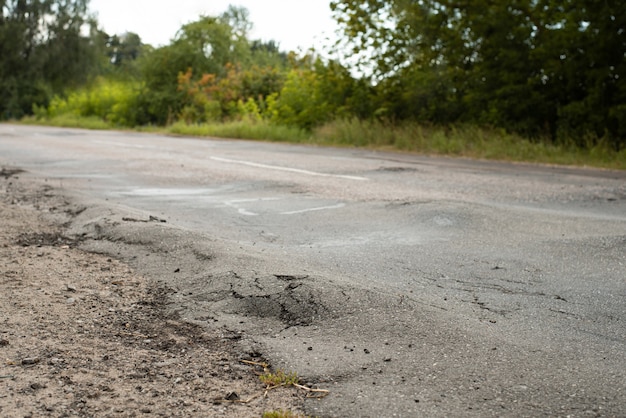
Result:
[45,47]
[544,70]
[537,67]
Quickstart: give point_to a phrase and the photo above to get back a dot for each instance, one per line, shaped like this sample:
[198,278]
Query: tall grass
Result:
[243,129]
[465,141]
[68,120]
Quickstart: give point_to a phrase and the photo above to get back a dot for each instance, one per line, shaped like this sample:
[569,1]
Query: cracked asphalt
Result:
[407,285]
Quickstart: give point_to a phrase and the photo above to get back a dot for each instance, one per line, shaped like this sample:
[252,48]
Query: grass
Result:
[69,121]
[465,141]
[279,378]
[259,130]
[282,379]
[460,141]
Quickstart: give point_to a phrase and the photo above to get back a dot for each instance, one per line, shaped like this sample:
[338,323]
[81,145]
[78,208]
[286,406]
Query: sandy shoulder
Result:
[82,335]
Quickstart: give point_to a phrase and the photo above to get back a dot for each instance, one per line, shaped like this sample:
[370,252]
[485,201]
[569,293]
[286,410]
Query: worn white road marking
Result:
[340,205]
[125,145]
[256,199]
[292,170]
[243,211]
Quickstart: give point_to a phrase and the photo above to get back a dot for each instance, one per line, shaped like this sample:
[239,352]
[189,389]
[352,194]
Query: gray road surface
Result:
[407,285]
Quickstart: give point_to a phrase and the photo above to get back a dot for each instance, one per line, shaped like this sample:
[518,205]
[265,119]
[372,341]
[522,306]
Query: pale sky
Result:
[294,24]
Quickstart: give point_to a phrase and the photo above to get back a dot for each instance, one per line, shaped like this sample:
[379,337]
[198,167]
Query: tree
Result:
[268,54]
[315,91]
[124,49]
[209,98]
[43,50]
[584,51]
[532,66]
[206,46]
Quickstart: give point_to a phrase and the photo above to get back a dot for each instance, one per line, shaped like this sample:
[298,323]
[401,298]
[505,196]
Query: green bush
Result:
[114,102]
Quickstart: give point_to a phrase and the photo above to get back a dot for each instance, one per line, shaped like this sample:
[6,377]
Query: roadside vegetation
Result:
[530,81]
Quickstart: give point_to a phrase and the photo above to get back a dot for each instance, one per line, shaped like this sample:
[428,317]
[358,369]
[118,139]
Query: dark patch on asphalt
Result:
[40,239]
[151,218]
[74,211]
[405,203]
[202,256]
[397,169]
[285,298]
[10,172]
[290,307]
[289,278]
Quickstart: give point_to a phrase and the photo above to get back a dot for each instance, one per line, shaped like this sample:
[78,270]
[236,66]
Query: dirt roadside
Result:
[82,335]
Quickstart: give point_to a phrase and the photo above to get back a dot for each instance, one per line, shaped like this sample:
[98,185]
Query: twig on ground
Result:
[255,363]
[285,381]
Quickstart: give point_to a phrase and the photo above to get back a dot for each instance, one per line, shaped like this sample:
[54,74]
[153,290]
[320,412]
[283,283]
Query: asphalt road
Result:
[407,285]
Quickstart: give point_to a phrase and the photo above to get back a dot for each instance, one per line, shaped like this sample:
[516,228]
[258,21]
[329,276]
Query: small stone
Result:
[30,360]
[70,288]
[232,396]
[70,301]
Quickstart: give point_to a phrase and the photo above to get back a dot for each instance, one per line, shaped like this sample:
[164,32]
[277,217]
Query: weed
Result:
[243,129]
[465,141]
[279,378]
[69,121]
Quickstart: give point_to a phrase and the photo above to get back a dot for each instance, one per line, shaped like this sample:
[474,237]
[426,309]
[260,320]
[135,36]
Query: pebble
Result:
[232,396]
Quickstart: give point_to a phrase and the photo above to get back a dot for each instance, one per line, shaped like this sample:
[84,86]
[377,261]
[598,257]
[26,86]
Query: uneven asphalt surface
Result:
[407,285]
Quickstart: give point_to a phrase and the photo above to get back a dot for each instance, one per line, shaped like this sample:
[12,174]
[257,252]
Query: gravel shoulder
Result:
[83,335]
